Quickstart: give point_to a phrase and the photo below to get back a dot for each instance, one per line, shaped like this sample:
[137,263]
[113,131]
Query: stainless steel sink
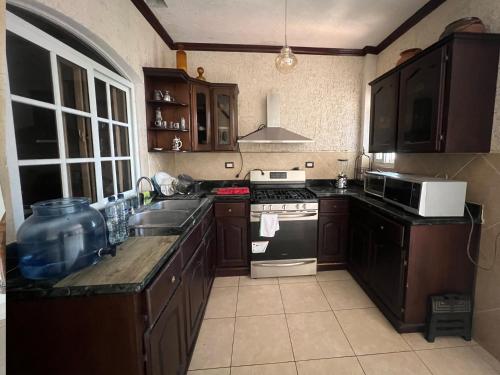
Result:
[161,217]
[180,204]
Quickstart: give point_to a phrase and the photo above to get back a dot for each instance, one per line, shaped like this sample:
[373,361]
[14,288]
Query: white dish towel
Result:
[269,224]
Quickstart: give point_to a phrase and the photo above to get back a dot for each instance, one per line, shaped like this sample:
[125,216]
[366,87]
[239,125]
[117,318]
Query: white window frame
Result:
[94,70]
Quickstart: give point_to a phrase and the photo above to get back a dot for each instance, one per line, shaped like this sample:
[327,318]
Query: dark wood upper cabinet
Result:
[201,116]
[210,111]
[446,98]
[384,114]
[225,115]
[420,103]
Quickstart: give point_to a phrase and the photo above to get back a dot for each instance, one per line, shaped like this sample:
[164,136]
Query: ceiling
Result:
[347,24]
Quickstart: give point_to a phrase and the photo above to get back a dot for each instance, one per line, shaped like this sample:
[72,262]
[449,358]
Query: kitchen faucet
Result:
[137,186]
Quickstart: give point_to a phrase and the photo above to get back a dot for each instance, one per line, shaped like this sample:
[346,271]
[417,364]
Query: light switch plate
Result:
[229,164]
[309,164]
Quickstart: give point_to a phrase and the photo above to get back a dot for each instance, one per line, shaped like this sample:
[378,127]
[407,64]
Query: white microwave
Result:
[421,195]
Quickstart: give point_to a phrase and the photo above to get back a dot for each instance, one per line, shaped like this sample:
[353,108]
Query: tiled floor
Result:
[317,326]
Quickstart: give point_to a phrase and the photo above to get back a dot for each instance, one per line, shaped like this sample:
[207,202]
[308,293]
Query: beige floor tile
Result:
[333,275]
[297,279]
[487,357]
[303,298]
[214,371]
[336,366]
[222,303]
[406,363]
[214,345]
[261,340]
[418,342]
[226,281]
[259,300]
[369,332]
[455,361]
[248,281]
[345,294]
[287,368]
[317,335]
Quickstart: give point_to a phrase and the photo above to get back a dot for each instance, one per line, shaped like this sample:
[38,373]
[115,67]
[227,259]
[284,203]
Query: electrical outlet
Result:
[229,164]
[309,164]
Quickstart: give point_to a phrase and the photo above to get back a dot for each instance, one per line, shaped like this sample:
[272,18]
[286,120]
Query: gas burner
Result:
[281,195]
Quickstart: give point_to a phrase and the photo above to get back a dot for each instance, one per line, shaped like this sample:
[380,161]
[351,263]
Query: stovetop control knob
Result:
[283,207]
[297,206]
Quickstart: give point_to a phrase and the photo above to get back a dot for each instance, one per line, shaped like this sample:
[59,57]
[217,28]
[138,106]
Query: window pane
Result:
[73,85]
[29,69]
[118,104]
[101,98]
[104,140]
[121,140]
[78,136]
[123,175]
[107,178]
[36,132]
[39,183]
[81,180]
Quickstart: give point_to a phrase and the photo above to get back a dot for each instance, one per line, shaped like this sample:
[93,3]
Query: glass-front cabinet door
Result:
[420,104]
[384,114]
[201,125]
[225,117]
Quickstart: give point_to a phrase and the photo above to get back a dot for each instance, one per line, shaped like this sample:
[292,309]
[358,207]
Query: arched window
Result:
[70,128]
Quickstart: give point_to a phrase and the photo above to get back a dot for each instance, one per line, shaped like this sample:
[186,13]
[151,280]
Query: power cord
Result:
[489,268]
[260,127]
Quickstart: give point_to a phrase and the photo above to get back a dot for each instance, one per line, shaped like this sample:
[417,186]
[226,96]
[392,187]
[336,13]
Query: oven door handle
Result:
[284,264]
[297,216]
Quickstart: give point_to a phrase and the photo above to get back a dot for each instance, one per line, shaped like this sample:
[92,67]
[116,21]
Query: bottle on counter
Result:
[123,215]
[112,221]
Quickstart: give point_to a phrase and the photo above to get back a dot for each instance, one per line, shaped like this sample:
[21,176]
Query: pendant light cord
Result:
[286,12]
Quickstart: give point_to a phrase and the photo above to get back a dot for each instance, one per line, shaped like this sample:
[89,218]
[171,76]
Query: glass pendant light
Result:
[286,60]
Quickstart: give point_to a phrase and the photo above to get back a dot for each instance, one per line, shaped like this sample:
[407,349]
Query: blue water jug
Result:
[61,237]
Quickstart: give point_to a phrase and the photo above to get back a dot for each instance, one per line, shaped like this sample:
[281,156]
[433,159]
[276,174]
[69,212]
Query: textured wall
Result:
[482,172]
[320,100]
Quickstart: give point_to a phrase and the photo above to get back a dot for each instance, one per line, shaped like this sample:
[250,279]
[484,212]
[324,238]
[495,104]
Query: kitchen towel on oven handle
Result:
[269,224]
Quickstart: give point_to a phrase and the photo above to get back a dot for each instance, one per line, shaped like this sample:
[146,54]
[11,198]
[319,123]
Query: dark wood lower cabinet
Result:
[166,342]
[400,265]
[232,220]
[148,333]
[194,290]
[333,236]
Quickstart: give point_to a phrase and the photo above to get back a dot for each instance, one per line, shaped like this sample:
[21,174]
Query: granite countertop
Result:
[327,189]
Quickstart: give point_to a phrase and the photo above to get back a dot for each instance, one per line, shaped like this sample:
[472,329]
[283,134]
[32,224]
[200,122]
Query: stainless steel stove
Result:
[292,250]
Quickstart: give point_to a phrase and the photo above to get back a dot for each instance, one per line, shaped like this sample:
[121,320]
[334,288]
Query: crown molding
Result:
[425,10]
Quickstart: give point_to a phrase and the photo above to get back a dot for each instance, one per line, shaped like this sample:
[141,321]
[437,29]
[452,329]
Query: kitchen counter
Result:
[136,263]
[327,189]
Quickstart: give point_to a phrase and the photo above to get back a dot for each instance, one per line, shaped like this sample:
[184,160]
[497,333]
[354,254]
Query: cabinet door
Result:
[420,104]
[232,241]
[387,273]
[201,126]
[194,286]
[224,111]
[210,256]
[384,114]
[166,341]
[332,238]
[359,252]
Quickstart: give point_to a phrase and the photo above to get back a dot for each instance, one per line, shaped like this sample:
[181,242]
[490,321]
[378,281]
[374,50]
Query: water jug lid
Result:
[120,195]
[111,199]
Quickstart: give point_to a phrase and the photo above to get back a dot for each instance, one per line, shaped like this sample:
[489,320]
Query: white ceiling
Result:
[311,23]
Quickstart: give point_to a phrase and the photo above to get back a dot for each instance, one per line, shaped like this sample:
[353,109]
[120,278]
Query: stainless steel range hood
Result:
[273,132]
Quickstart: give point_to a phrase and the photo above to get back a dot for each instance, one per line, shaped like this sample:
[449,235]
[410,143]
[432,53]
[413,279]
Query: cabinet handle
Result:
[229,210]
[381,227]
[172,280]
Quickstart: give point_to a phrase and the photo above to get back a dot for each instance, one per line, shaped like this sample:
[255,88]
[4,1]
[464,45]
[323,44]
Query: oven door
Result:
[296,238]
